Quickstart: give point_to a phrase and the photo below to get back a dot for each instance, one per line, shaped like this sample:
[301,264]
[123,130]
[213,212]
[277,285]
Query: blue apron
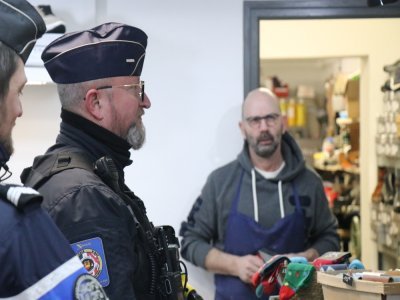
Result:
[244,236]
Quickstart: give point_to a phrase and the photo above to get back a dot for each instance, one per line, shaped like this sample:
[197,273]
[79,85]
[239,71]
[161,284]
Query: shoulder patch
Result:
[91,254]
[87,287]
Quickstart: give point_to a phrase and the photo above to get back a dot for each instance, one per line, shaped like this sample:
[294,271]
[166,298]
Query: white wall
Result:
[194,78]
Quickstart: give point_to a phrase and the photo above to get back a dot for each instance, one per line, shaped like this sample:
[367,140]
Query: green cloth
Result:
[298,275]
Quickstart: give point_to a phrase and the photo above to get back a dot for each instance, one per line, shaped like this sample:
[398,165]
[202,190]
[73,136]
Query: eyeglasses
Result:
[270,119]
[130,87]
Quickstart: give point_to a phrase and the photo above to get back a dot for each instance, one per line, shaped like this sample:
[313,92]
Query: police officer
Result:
[81,176]
[36,260]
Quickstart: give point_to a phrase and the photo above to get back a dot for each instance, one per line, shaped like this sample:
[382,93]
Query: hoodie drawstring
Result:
[255,201]
[281,198]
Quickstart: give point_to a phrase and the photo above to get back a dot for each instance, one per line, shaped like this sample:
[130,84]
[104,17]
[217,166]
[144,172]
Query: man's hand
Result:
[247,265]
[243,267]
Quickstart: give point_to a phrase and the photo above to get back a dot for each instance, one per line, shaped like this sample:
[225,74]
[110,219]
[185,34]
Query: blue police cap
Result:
[108,50]
[20,26]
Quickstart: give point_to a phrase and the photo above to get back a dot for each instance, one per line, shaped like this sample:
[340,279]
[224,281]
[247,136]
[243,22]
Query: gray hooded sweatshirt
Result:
[207,221]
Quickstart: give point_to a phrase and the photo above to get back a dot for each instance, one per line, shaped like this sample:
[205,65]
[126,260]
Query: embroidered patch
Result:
[87,287]
[91,254]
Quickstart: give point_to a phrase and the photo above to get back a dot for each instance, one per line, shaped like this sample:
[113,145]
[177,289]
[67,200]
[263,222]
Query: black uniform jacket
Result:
[90,213]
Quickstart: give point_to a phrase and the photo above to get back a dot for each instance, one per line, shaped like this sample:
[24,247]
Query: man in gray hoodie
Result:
[266,200]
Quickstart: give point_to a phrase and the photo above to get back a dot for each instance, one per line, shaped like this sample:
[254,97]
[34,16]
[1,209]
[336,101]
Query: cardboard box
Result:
[334,288]
[352,95]
[353,89]
[354,129]
[353,108]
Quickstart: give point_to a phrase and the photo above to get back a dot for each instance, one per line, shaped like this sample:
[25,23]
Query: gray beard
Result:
[265,152]
[7,144]
[136,136]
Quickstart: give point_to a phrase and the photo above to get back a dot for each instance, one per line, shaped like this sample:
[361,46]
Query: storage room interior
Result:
[194,78]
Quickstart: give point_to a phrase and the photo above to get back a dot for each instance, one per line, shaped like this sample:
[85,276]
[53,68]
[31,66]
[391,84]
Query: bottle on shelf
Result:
[283,105]
[300,113]
[291,113]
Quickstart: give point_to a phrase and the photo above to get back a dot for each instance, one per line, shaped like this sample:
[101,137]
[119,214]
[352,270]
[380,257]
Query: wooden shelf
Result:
[337,168]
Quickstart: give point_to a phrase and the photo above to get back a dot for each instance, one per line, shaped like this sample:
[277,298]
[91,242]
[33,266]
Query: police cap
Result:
[108,50]
[20,26]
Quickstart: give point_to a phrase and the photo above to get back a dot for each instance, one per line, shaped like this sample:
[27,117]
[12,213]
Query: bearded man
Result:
[81,176]
[265,201]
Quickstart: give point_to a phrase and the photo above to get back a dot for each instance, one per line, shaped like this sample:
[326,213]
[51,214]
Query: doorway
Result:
[280,18]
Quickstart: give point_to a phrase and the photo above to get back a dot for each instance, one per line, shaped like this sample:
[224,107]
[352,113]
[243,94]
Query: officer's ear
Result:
[93,104]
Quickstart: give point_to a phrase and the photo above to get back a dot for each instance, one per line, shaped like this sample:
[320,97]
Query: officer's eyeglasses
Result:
[131,88]
[270,119]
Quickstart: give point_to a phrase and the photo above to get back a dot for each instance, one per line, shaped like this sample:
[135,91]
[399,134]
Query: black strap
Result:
[45,166]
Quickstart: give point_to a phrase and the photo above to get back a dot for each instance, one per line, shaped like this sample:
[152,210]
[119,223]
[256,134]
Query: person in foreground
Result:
[81,176]
[36,260]
[266,202]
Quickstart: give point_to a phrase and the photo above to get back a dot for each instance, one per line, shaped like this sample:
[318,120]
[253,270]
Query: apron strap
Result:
[237,196]
[296,196]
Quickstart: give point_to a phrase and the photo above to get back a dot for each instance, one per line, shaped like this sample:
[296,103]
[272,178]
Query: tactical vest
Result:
[164,284]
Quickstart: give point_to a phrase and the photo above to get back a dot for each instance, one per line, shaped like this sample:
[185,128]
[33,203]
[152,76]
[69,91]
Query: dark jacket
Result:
[90,213]
[34,253]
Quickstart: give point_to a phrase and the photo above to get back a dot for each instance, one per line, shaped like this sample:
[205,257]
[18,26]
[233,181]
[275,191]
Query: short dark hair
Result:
[8,65]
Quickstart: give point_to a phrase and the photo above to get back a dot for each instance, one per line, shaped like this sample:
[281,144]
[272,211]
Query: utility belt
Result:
[161,246]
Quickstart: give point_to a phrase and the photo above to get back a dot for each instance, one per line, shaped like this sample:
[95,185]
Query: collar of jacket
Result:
[98,141]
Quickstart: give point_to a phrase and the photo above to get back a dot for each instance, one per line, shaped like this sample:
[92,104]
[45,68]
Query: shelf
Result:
[34,68]
[389,162]
[388,251]
[336,168]
[37,76]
